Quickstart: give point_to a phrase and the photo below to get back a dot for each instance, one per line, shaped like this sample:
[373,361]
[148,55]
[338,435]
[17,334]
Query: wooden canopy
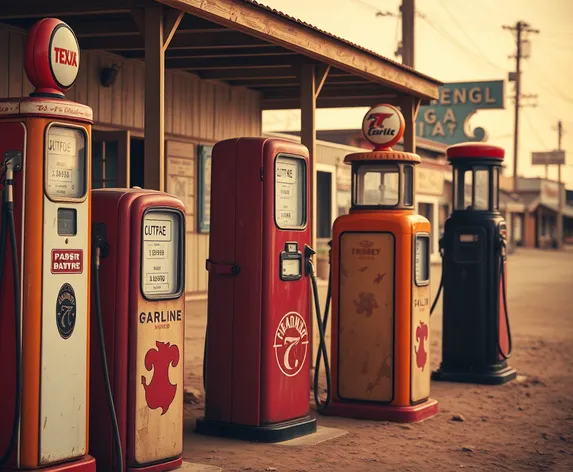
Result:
[239,42]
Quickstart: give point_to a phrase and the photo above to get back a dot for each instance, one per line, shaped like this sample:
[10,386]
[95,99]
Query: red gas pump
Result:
[139,284]
[257,361]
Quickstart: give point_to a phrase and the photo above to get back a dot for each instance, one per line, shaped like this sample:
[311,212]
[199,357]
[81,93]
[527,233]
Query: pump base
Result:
[377,412]
[161,467]
[85,464]
[269,433]
[486,377]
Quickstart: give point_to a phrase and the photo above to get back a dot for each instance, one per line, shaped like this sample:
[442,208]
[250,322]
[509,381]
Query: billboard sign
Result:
[548,158]
[446,119]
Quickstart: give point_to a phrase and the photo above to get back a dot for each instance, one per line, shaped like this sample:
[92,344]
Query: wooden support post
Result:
[308,132]
[159,25]
[410,106]
[308,138]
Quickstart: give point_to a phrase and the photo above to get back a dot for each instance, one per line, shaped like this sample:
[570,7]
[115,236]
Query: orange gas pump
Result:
[380,285]
[45,163]
[139,238]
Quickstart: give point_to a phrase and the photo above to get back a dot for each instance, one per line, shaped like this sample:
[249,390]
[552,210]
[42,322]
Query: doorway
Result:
[117,160]
[324,205]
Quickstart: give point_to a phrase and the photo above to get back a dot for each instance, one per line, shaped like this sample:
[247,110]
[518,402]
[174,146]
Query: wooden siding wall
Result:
[196,112]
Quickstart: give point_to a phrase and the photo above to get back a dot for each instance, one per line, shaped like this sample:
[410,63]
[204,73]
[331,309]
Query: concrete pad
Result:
[322,434]
[196,467]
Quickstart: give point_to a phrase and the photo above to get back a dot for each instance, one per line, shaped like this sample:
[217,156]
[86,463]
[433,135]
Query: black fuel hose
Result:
[109,395]
[322,323]
[441,282]
[504,295]
[8,223]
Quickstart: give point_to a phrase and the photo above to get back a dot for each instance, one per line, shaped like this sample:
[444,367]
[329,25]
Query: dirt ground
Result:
[524,425]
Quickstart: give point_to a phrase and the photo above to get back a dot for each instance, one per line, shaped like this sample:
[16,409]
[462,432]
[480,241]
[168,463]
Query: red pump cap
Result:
[475,151]
[52,58]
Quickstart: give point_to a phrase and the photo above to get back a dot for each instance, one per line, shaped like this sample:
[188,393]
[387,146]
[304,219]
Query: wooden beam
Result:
[267,25]
[154,159]
[261,50]
[217,40]
[171,20]
[321,74]
[243,74]
[294,82]
[409,106]
[294,104]
[61,8]
[336,91]
[233,62]
[308,138]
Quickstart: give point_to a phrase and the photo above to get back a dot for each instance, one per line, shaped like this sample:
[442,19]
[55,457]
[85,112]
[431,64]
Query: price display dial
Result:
[422,260]
[290,192]
[161,247]
[65,163]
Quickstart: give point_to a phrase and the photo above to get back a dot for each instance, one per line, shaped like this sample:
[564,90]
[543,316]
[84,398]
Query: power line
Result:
[535,132]
[456,43]
[455,21]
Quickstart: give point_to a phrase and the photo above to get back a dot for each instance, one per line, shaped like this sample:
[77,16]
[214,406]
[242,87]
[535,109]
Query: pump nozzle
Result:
[308,264]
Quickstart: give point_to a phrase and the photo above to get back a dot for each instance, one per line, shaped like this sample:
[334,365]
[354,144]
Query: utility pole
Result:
[561,191]
[520,28]
[408,12]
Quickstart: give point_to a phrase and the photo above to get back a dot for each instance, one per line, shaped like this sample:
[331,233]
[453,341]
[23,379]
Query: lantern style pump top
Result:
[383,179]
[476,169]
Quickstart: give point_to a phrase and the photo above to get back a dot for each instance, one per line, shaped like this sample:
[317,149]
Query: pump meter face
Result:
[422,260]
[65,162]
[161,266]
[290,192]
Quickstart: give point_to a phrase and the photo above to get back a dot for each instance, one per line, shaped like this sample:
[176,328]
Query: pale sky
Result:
[477,51]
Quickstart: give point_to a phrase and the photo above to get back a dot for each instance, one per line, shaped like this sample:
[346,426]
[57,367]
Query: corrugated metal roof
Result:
[345,41]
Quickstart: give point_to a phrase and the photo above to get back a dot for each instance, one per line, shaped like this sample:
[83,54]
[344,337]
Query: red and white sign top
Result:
[383,126]
[52,57]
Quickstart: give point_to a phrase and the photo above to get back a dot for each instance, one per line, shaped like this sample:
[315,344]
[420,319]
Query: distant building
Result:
[541,200]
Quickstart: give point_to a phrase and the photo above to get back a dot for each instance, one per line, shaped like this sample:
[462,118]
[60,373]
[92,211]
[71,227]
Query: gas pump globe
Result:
[476,334]
[380,282]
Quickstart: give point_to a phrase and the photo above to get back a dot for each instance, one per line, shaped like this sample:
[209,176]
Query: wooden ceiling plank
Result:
[60,8]
[226,39]
[244,74]
[231,62]
[294,104]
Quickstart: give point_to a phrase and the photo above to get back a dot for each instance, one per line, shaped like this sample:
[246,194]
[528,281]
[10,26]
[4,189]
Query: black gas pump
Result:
[476,339]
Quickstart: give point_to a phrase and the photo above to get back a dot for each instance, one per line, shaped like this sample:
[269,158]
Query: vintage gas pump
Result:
[45,164]
[380,276]
[139,284]
[257,364]
[476,335]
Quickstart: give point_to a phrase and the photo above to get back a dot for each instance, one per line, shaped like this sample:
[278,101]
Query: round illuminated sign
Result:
[383,126]
[52,57]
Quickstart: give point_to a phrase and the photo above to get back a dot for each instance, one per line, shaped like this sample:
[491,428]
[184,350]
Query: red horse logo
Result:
[421,354]
[160,392]
[378,119]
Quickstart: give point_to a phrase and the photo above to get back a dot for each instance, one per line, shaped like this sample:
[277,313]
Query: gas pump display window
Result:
[408,185]
[376,185]
[161,258]
[463,180]
[422,260]
[481,189]
[290,192]
[495,188]
[65,163]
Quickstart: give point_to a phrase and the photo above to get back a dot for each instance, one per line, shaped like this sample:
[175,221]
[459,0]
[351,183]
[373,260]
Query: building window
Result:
[104,164]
